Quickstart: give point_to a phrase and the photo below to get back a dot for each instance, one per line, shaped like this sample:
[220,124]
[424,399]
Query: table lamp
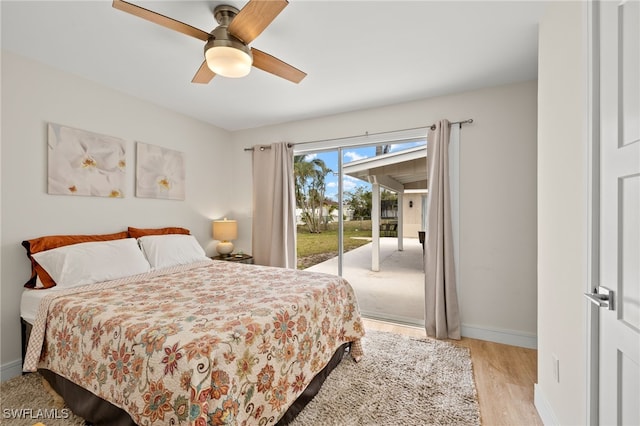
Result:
[225,231]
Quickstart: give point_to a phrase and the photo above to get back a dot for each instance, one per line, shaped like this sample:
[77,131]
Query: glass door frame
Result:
[339,145]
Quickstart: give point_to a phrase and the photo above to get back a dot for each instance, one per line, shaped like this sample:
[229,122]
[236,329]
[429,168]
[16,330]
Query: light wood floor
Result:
[504,376]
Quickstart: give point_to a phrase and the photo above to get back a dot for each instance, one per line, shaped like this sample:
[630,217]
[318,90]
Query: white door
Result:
[617,42]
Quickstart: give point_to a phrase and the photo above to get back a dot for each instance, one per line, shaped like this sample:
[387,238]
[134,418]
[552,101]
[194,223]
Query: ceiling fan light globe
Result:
[228,61]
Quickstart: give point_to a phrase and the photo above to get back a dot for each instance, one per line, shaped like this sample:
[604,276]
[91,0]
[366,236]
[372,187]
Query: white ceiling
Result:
[358,54]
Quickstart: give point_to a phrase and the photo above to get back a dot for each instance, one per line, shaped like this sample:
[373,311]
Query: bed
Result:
[200,342]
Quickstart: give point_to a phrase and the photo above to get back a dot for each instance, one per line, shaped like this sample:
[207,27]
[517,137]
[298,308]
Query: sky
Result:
[351,154]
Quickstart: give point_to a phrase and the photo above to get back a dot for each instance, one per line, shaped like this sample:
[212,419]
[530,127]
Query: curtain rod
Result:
[432,127]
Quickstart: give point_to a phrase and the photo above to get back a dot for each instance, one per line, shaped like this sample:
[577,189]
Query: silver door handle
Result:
[601,296]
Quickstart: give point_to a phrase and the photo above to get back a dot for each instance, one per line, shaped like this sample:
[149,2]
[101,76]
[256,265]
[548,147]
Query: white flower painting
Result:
[159,172]
[85,163]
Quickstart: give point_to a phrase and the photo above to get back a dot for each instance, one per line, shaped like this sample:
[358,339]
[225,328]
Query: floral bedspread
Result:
[209,343]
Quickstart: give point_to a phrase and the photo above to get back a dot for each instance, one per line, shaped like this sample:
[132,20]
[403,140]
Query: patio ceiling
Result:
[396,171]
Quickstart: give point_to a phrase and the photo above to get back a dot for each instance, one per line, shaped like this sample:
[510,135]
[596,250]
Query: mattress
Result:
[30,302]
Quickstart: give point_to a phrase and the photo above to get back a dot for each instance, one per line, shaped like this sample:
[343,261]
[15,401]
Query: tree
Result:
[330,206]
[310,179]
[386,195]
[359,201]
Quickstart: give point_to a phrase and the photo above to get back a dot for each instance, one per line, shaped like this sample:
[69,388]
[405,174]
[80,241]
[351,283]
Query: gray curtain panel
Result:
[274,222]
[442,318]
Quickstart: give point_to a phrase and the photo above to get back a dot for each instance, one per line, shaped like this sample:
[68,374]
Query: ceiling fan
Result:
[226,50]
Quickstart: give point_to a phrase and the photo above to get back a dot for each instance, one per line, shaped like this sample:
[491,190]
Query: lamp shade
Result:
[228,61]
[225,230]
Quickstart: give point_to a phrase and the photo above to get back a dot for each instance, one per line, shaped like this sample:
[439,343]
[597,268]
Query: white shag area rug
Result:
[400,381]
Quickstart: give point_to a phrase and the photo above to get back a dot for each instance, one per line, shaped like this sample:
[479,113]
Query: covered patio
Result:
[396,291]
[403,172]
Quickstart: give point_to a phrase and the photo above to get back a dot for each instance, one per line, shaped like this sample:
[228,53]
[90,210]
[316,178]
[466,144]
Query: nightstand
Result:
[238,258]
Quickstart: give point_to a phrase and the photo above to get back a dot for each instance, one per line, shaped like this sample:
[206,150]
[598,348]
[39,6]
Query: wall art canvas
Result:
[160,172]
[85,163]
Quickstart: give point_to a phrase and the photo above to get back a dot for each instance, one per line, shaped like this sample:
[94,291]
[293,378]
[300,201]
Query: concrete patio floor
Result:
[396,292]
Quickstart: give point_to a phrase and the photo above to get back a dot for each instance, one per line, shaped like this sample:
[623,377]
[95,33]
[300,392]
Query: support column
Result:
[375,227]
[400,221]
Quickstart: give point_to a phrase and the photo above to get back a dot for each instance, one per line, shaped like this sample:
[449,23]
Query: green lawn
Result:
[316,248]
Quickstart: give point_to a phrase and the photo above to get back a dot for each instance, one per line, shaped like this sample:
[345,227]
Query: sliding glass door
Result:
[359,216]
[387,273]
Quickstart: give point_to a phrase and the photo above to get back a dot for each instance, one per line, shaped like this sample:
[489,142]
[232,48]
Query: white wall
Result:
[412,216]
[497,287]
[32,96]
[562,213]
[498,183]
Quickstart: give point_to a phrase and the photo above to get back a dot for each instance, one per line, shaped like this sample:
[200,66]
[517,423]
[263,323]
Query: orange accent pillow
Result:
[141,232]
[37,245]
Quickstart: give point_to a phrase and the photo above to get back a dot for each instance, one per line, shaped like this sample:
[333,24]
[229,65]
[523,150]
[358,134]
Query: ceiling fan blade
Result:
[254,17]
[203,75]
[275,66]
[159,19]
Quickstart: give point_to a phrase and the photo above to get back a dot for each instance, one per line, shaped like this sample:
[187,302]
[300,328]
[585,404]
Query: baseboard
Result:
[396,319]
[545,411]
[507,337]
[10,370]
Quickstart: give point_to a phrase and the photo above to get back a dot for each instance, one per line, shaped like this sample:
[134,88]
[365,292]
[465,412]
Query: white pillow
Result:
[92,262]
[163,251]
